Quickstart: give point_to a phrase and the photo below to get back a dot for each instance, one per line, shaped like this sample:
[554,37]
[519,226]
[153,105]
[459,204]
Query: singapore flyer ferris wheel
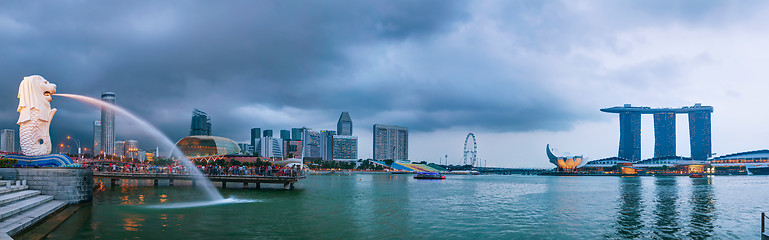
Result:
[471,153]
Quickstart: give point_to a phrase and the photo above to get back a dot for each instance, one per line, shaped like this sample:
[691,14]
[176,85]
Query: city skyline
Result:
[519,76]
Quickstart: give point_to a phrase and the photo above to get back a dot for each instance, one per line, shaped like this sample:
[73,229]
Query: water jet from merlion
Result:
[206,185]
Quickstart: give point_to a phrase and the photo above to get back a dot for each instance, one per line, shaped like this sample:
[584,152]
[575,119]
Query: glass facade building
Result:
[204,146]
[255,133]
[391,142]
[630,136]
[131,149]
[119,149]
[327,144]
[345,148]
[296,134]
[344,125]
[201,124]
[311,143]
[664,130]
[269,147]
[96,138]
[267,133]
[285,135]
[699,134]
[108,125]
[664,134]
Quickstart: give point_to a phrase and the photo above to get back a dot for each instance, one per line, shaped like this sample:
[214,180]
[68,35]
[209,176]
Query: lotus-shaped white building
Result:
[566,164]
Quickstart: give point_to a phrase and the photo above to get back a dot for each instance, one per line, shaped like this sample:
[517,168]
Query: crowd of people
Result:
[210,170]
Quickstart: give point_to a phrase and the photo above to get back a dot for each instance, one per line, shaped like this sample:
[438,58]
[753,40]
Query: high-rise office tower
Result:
[97,138]
[345,148]
[119,150]
[255,135]
[8,140]
[270,147]
[131,149]
[391,142]
[296,134]
[344,125]
[201,123]
[108,125]
[311,143]
[327,144]
[267,133]
[285,135]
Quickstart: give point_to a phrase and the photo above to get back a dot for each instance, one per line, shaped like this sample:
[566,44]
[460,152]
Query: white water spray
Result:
[206,185]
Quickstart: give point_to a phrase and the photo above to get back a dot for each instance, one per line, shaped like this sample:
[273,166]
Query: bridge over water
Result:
[509,171]
[287,181]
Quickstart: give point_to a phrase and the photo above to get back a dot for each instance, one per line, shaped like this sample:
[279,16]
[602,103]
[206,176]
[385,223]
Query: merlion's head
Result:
[35,93]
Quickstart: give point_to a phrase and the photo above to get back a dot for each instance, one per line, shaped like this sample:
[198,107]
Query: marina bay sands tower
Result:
[664,130]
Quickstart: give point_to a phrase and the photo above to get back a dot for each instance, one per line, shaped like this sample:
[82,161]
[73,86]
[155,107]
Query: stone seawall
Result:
[72,185]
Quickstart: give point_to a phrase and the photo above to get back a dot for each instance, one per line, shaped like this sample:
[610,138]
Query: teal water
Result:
[385,206]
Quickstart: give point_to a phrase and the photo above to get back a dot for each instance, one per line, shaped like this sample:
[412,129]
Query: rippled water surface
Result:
[385,206]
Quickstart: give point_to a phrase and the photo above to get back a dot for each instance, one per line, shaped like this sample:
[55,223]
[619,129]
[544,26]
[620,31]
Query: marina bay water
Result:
[386,206]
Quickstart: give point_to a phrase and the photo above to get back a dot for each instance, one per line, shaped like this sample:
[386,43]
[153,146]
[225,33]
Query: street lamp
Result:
[78,145]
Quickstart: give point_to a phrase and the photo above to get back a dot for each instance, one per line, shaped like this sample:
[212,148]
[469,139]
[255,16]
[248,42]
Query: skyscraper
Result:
[8,140]
[201,123]
[131,149]
[296,134]
[326,144]
[699,132]
[664,130]
[108,125]
[119,150]
[345,148]
[311,143]
[96,138]
[344,125]
[630,136]
[270,147]
[664,134]
[255,135]
[267,133]
[391,142]
[285,135]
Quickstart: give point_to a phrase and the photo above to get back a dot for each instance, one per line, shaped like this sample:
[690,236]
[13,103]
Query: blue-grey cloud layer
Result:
[407,63]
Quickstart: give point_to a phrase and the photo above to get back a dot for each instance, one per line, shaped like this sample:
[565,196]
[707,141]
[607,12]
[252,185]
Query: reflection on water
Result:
[382,206]
[703,209]
[665,215]
[665,212]
[629,217]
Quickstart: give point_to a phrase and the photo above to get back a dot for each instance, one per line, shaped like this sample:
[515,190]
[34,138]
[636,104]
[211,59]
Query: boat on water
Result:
[757,170]
[429,175]
[694,175]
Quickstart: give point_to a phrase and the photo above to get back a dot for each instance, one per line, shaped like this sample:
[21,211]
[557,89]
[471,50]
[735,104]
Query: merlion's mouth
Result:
[48,93]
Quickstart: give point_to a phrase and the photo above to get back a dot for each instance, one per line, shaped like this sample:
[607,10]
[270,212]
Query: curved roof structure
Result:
[204,146]
[764,153]
[606,162]
[569,162]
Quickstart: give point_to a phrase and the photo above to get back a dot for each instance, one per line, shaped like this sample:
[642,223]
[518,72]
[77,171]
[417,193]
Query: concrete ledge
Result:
[71,185]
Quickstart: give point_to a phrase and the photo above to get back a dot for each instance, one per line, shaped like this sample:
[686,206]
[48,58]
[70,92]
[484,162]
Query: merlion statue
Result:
[35,115]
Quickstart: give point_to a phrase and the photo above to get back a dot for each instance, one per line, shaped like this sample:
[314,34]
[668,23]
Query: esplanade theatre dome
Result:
[203,146]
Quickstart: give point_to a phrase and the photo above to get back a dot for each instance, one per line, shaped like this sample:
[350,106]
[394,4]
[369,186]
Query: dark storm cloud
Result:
[411,63]
[177,55]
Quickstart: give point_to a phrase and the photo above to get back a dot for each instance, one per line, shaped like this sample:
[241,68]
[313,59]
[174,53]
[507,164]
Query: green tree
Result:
[389,162]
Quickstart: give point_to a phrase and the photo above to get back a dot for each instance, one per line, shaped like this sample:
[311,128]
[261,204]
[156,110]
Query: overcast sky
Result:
[519,75]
